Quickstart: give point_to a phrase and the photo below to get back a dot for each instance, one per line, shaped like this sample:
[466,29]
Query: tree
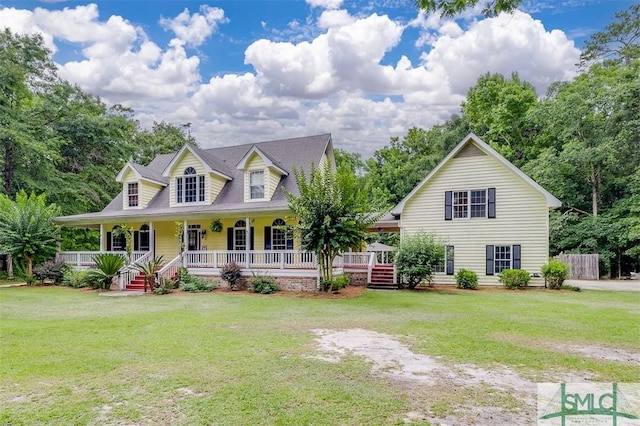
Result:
[496,108]
[25,70]
[416,258]
[333,215]
[619,43]
[26,228]
[450,8]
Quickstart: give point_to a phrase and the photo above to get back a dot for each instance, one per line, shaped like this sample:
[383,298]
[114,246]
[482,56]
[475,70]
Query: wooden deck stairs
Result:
[382,278]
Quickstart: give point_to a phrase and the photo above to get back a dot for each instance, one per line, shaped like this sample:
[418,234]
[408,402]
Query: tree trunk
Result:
[595,188]
[29,260]
[9,265]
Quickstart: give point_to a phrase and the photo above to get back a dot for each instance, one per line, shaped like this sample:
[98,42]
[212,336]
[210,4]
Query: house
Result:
[488,213]
[223,204]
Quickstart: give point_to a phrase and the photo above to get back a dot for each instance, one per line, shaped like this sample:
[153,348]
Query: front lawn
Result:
[72,357]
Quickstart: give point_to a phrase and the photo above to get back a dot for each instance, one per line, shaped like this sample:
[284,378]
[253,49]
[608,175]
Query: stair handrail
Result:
[370,265]
[171,268]
[129,272]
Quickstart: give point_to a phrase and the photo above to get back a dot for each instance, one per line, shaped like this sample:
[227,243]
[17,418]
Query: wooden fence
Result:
[581,266]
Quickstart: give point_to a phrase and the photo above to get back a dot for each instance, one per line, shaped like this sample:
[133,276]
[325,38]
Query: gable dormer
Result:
[139,185]
[261,175]
[195,177]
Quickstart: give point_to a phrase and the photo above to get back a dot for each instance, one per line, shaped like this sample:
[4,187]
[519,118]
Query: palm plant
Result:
[149,270]
[26,228]
[108,266]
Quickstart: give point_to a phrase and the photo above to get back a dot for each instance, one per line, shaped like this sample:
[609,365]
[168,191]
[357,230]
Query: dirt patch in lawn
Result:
[442,393]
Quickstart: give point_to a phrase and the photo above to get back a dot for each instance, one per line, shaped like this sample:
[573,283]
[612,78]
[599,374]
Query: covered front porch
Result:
[279,264]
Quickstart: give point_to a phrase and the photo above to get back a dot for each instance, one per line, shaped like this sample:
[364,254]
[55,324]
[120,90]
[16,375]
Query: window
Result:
[132,194]
[278,235]
[472,204]
[240,235]
[502,259]
[256,185]
[118,240]
[447,262]
[143,238]
[190,188]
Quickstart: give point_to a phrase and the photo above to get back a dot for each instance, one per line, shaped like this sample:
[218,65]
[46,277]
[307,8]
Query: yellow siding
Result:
[146,192]
[271,181]
[187,160]
[522,215]
[215,183]
[255,163]
[166,242]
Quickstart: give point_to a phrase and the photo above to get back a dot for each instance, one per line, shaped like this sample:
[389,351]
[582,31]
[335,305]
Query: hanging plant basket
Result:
[216,225]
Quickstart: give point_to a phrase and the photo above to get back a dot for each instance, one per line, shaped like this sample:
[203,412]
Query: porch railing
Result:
[356,259]
[277,259]
[84,259]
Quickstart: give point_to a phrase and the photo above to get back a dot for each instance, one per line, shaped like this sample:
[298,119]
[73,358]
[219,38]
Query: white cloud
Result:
[503,44]
[195,29]
[325,4]
[338,79]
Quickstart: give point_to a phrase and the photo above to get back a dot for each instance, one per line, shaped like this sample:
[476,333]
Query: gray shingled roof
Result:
[286,154]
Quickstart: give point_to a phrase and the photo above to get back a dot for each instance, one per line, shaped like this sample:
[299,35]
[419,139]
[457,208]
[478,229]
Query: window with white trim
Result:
[132,194]
[256,185]
[278,235]
[502,258]
[470,204]
[240,235]
[190,188]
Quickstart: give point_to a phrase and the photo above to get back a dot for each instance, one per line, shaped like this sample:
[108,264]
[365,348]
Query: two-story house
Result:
[228,203]
[488,213]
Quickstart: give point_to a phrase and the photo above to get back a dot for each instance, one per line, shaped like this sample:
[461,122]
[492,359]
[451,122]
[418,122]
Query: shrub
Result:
[196,284]
[165,286]
[75,279]
[231,274]
[555,272]
[338,282]
[514,278]
[263,285]
[50,270]
[108,267]
[467,279]
[416,256]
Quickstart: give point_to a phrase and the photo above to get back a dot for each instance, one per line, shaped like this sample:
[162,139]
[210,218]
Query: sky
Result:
[244,71]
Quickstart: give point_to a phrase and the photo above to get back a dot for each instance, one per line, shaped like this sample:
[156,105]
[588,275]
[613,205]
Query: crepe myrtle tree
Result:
[333,214]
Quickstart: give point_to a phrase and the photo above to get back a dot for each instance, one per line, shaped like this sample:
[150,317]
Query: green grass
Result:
[72,357]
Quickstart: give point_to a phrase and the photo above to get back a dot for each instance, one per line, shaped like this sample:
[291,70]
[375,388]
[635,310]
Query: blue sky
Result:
[246,71]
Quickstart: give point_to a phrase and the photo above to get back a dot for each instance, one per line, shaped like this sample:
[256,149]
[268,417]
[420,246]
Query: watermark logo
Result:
[568,404]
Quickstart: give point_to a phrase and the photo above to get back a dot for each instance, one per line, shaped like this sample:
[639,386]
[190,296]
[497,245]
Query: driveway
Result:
[615,285]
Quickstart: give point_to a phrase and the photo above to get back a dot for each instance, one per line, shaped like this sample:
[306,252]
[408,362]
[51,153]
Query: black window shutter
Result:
[516,256]
[289,243]
[230,238]
[267,238]
[136,240]
[448,197]
[491,208]
[108,241]
[251,239]
[490,254]
[449,252]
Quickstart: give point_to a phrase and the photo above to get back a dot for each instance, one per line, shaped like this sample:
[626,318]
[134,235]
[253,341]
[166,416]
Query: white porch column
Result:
[101,237]
[152,240]
[247,246]
[185,242]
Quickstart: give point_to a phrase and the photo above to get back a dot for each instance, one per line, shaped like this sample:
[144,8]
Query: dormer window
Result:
[256,185]
[132,194]
[190,187]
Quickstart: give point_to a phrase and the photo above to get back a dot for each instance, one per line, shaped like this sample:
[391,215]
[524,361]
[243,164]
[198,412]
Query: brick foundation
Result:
[357,278]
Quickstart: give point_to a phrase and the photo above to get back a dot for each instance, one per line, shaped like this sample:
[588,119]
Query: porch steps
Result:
[382,278]
[137,284]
